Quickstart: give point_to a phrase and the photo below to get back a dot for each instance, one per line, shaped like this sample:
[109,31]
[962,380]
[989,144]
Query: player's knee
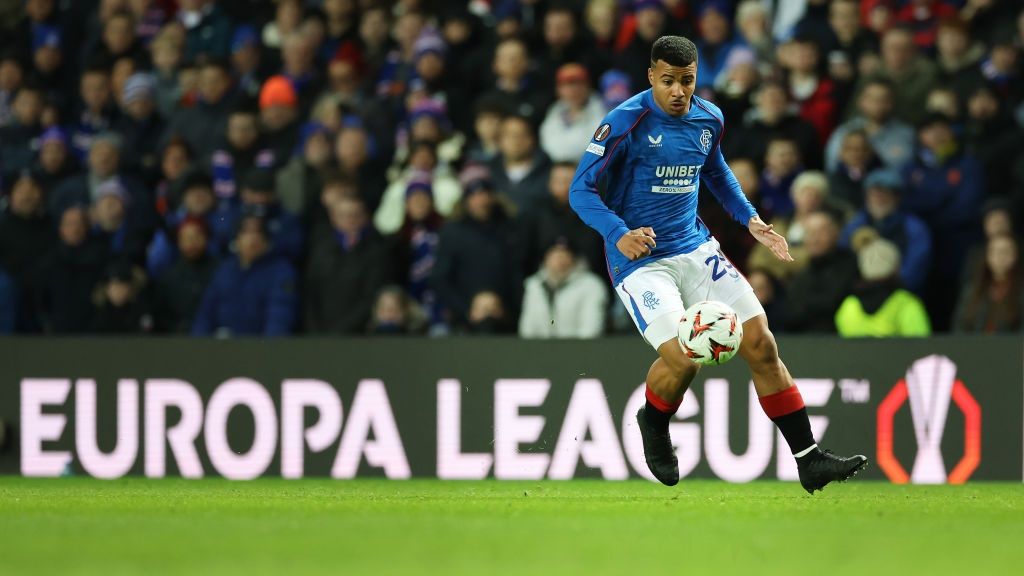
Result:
[683,369]
[761,349]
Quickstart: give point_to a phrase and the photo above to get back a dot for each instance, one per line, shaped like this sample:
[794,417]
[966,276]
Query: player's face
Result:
[673,86]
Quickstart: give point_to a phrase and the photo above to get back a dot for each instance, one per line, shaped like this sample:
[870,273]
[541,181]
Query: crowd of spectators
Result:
[271,167]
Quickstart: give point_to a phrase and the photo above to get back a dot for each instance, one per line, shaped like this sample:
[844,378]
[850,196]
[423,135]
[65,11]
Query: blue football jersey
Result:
[650,165]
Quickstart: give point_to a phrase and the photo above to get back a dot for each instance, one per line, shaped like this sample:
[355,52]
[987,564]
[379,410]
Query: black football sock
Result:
[787,411]
[658,411]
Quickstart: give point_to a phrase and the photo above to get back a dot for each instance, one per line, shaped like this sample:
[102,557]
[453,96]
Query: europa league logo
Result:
[930,384]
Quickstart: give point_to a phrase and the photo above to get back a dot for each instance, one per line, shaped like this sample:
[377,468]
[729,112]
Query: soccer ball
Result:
[710,333]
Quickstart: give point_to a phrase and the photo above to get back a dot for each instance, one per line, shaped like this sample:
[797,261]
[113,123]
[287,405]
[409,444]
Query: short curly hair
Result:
[674,50]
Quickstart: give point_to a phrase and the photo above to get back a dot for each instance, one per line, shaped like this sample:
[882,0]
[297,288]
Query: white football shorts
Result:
[657,294]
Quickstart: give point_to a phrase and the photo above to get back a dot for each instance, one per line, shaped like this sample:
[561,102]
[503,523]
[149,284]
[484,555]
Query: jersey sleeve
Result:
[606,151]
[722,182]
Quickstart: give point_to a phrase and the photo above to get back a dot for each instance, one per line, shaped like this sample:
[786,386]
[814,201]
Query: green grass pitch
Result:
[376,527]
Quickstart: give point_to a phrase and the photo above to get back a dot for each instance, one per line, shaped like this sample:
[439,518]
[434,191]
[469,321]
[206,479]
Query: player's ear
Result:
[650,74]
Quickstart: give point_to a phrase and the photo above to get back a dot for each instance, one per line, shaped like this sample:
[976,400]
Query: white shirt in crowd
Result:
[564,140]
[575,309]
[391,214]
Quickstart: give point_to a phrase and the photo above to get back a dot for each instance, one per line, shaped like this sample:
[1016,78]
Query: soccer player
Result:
[650,155]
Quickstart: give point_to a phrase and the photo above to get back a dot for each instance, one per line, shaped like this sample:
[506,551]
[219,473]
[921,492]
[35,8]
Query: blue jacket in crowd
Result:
[948,197]
[259,300]
[909,233]
[163,249]
[287,237]
[713,60]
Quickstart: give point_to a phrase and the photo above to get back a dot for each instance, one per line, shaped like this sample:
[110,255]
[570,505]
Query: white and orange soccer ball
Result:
[710,333]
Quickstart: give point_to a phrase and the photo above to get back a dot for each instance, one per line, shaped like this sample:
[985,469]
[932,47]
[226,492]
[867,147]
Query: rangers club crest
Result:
[705,140]
[602,132]
[650,300]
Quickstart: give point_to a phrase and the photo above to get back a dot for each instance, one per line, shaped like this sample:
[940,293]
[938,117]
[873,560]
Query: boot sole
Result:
[850,475]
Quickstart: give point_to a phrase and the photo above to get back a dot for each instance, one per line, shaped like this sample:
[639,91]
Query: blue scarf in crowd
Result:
[423,248]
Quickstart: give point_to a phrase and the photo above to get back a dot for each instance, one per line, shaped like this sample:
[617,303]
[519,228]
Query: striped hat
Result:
[111,187]
[419,181]
[138,85]
[475,178]
[429,44]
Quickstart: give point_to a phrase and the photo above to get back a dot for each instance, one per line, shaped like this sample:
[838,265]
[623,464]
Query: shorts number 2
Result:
[720,266]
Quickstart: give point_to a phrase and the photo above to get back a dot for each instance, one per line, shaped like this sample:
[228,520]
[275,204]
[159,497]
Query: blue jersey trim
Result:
[640,322]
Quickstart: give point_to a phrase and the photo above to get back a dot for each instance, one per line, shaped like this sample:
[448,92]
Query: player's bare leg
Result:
[667,380]
[781,401]
[671,374]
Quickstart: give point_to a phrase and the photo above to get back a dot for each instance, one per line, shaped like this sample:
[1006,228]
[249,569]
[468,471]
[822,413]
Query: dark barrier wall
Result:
[929,411]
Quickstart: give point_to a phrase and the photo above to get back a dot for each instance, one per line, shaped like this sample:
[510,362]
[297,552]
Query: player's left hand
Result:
[766,234]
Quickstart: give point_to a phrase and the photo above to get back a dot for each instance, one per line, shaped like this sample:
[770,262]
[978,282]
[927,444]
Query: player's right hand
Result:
[637,243]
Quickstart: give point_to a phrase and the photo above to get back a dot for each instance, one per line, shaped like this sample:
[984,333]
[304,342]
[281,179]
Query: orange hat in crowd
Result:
[278,91]
[572,72]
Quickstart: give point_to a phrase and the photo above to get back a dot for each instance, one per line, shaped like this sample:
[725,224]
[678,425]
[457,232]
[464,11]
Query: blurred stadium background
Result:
[254,239]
